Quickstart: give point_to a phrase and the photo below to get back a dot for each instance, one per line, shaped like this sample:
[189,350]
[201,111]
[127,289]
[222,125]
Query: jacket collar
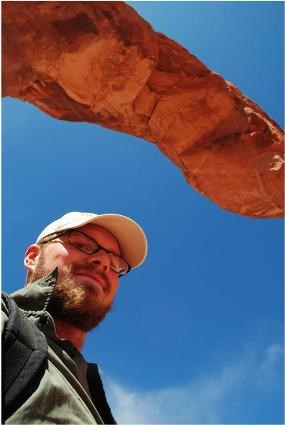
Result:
[34,298]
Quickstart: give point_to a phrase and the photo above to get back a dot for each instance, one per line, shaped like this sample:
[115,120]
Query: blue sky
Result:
[196,334]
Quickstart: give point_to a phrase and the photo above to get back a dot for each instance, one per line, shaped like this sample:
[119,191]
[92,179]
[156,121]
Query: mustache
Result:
[81,268]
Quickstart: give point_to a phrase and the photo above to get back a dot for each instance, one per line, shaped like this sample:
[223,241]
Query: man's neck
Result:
[73,334]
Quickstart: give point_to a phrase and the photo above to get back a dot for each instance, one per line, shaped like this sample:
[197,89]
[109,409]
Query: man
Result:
[73,272]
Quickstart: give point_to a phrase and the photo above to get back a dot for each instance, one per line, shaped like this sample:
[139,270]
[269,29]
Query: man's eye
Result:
[84,246]
[83,243]
[115,262]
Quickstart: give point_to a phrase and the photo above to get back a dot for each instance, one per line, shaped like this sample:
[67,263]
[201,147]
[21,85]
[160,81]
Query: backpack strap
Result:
[98,394]
[24,358]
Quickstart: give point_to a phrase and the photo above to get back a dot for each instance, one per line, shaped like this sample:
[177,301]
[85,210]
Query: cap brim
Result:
[131,237]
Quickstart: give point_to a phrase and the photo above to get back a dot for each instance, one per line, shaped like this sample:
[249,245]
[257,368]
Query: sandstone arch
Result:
[101,62]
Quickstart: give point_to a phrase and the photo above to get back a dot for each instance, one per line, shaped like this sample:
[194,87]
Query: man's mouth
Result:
[98,280]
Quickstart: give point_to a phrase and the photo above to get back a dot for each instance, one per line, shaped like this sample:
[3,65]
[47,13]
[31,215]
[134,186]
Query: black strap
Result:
[98,394]
[24,358]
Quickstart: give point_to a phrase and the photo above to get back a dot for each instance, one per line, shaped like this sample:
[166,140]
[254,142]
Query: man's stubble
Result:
[70,303]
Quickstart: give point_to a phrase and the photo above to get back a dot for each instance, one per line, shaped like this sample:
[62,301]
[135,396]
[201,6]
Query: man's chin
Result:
[81,305]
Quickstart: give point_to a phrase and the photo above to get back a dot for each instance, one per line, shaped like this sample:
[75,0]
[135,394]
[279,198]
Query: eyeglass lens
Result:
[90,246]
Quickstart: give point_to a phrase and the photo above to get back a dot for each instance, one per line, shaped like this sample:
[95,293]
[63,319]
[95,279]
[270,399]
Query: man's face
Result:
[86,284]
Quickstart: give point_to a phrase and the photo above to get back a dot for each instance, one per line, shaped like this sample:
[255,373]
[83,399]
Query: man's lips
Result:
[94,278]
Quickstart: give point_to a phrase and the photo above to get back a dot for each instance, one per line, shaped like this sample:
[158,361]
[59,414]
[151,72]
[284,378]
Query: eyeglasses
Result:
[88,245]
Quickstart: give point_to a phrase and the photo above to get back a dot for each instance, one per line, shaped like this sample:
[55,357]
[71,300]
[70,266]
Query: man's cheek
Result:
[63,267]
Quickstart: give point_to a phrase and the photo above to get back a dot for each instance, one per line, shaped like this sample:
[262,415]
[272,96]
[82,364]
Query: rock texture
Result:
[101,62]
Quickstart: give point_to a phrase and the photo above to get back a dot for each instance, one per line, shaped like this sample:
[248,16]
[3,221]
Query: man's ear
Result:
[31,256]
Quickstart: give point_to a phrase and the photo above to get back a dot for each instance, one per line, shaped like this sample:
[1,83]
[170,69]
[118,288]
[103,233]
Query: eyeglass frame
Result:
[68,231]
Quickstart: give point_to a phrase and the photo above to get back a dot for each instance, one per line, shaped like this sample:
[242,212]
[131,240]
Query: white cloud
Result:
[201,402]
[269,373]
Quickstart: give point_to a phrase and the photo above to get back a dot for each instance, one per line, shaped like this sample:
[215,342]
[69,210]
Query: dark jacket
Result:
[70,390]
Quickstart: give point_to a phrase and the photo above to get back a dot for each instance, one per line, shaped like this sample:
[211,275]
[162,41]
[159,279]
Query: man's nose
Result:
[101,259]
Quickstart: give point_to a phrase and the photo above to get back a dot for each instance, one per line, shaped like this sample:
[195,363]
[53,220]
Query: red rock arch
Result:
[101,62]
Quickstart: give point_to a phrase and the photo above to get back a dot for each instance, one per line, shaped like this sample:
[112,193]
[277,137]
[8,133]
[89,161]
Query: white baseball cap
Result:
[130,235]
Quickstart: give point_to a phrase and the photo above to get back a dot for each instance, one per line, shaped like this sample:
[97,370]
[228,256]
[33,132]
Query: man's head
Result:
[91,252]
